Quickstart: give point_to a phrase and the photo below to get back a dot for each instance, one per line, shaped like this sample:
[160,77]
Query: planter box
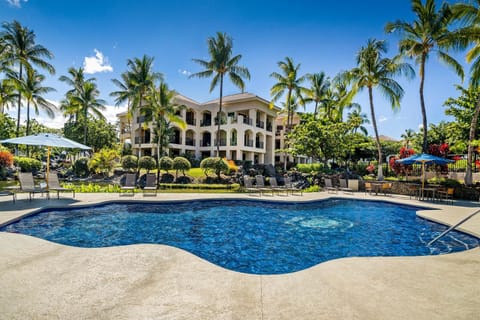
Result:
[353,184]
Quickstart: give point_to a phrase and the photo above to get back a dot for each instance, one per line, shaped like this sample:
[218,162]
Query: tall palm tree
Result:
[375,71]
[161,109]
[408,136]
[469,14]
[76,80]
[89,103]
[22,50]
[427,34]
[32,91]
[222,63]
[319,85]
[137,81]
[355,116]
[7,94]
[288,80]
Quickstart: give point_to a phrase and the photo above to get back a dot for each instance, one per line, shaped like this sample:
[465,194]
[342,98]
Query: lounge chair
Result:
[28,185]
[274,185]
[329,186]
[248,185]
[54,185]
[9,193]
[344,186]
[150,185]
[446,194]
[290,186]
[260,184]
[130,181]
[368,187]
[387,188]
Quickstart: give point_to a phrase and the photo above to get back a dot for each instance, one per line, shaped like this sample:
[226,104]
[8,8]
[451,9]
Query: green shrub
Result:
[314,188]
[103,161]
[129,163]
[309,167]
[27,164]
[80,168]
[166,163]
[181,163]
[147,163]
[215,164]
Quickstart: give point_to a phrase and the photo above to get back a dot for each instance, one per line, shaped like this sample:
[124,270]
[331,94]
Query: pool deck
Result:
[44,280]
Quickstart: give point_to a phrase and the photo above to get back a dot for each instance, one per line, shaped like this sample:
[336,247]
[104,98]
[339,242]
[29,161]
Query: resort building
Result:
[280,141]
[247,131]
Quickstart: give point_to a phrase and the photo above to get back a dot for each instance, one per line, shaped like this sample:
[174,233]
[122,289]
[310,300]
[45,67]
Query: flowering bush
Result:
[6,159]
[398,168]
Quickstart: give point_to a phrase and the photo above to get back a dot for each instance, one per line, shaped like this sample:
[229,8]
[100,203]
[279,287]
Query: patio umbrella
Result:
[48,140]
[424,158]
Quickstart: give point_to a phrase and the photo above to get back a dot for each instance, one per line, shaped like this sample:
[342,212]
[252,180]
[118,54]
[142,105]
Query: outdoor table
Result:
[429,191]
[377,186]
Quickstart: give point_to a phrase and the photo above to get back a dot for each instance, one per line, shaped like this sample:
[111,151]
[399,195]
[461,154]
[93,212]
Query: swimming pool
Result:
[251,236]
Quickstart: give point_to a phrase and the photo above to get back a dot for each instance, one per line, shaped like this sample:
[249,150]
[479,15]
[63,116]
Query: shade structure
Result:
[48,140]
[424,158]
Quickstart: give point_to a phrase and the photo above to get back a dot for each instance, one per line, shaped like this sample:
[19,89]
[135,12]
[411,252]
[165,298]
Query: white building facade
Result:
[247,131]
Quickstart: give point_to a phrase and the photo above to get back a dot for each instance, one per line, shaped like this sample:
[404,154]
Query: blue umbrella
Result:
[424,158]
[48,140]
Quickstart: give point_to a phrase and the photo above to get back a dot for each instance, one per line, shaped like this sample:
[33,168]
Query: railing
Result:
[259,144]
[223,142]
[205,143]
[175,140]
[192,122]
[260,124]
[205,123]
[222,122]
[248,143]
[189,142]
[452,227]
[247,121]
[142,140]
[269,126]
[233,143]
[141,119]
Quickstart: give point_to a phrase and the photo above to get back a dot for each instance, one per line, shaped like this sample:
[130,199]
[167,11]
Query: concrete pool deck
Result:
[44,280]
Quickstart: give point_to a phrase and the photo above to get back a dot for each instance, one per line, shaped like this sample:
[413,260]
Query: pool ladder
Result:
[452,227]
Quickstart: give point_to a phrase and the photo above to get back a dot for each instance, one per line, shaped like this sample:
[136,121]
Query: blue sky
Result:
[320,35]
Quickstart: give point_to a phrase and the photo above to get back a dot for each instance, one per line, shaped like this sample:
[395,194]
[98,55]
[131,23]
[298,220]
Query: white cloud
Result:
[97,63]
[420,126]
[184,72]
[382,119]
[16,3]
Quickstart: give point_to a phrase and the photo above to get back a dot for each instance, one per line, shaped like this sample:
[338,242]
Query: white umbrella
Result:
[48,140]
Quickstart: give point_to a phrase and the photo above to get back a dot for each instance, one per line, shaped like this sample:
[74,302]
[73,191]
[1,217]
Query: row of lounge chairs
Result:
[131,182]
[261,188]
[334,189]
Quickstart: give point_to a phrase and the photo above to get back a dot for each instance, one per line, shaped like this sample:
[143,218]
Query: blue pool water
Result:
[252,236]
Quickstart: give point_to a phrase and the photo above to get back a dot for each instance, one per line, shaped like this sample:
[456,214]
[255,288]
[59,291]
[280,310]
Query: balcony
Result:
[247,121]
[175,140]
[259,144]
[189,141]
[248,143]
[141,119]
[233,143]
[269,126]
[222,122]
[223,142]
[260,124]
[205,143]
[142,140]
[191,121]
[205,122]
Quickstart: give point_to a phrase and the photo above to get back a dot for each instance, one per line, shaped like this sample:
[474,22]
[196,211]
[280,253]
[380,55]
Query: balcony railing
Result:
[175,140]
[260,124]
[269,126]
[189,142]
[205,143]
[259,144]
[222,122]
[142,140]
[223,142]
[248,143]
[205,122]
[141,119]
[192,122]
[233,143]
[247,121]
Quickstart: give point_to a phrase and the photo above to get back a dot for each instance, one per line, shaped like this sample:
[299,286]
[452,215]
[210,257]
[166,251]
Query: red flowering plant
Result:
[6,161]
[398,168]
[442,151]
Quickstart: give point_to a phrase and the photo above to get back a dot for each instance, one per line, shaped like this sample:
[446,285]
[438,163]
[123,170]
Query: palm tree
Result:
[289,81]
[374,71]
[428,33]
[76,80]
[137,81]
[161,108]
[319,85]
[355,116]
[222,63]
[408,136]
[32,91]
[89,103]
[7,94]
[21,49]
[470,14]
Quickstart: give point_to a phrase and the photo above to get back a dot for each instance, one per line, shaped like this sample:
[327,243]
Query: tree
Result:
[181,163]
[7,126]
[76,81]
[21,49]
[32,91]
[358,119]
[428,33]
[408,136]
[319,85]
[220,65]
[287,81]
[101,133]
[104,161]
[374,71]
[7,94]
[88,103]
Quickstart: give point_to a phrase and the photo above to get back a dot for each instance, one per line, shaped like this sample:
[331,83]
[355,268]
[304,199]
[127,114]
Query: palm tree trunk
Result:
[377,139]
[85,124]
[218,115]
[28,118]
[422,104]
[471,137]
[287,130]
[316,110]
[159,146]
[19,102]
